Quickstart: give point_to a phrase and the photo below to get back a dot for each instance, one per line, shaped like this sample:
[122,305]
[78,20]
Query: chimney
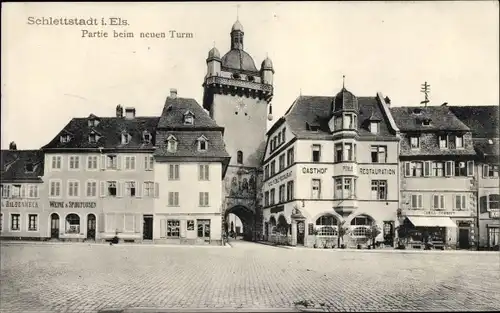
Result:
[130,113]
[387,100]
[12,146]
[173,93]
[119,111]
[444,104]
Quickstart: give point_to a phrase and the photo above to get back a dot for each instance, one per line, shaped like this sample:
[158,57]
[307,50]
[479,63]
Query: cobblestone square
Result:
[88,278]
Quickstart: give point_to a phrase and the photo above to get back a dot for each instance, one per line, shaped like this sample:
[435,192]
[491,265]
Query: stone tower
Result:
[238,97]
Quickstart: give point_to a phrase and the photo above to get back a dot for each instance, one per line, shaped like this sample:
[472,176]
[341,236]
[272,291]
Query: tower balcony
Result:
[228,85]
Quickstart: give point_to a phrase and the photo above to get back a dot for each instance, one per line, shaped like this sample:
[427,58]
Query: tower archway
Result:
[247,218]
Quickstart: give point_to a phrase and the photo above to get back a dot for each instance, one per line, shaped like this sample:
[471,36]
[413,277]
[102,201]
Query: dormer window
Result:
[126,138]
[417,111]
[443,141]
[426,122]
[250,78]
[65,138]
[93,123]
[236,76]
[459,141]
[188,118]
[146,137]
[374,127]
[171,144]
[93,137]
[202,143]
[415,142]
[29,167]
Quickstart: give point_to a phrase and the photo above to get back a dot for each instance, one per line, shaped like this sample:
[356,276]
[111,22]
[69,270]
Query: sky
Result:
[51,74]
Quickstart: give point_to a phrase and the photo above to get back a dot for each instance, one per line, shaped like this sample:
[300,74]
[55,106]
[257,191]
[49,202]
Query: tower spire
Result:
[237,12]
[343,81]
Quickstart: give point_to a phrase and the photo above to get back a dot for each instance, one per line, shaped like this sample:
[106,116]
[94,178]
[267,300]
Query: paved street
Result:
[87,278]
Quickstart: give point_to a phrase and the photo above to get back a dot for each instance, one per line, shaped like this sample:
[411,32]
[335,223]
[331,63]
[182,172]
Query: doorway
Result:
[389,233]
[463,238]
[203,229]
[54,226]
[147,230]
[91,226]
[301,227]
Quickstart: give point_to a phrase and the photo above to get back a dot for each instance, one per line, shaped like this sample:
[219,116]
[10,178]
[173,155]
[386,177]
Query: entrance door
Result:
[389,233]
[54,226]
[301,230]
[463,238]
[266,231]
[203,229]
[147,230]
[91,226]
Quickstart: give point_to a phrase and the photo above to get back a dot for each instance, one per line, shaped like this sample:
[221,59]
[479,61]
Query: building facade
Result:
[99,176]
[331,163]
[237,95]
[22,213]
[437,180]
[483,122]
[190,165]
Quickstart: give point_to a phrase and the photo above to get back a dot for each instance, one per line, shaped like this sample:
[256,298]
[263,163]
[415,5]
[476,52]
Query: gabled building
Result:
[483,123]
[437,185]
[190,164]
[99,176]
[332,160]
[22,213]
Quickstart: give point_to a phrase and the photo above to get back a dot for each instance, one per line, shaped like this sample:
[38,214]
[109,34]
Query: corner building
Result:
[438,184]
[328,161]
[22,214]
[99,176]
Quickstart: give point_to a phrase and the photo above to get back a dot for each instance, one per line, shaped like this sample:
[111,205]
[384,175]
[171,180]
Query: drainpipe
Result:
[476,192]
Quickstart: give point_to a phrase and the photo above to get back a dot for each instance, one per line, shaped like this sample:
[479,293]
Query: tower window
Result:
[239,157]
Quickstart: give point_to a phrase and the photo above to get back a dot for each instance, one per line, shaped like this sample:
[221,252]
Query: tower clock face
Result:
[241,106]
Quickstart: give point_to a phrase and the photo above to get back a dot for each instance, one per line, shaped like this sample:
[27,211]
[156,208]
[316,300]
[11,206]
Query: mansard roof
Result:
[308,118]
[110,130]
[409,118]
[173,114]
[14,163]
[481,119]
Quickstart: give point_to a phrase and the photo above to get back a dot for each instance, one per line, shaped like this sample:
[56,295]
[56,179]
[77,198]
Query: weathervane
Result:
[237,12]
[426,89]
[343,81]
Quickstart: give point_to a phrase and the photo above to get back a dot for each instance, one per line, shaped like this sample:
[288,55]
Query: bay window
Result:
[345,188]
[345,152]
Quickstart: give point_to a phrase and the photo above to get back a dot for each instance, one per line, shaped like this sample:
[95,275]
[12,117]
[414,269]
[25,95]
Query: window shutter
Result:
[449,168]
[200,172]
[200,199]
[138,189]
[157,190]
[138,223]
[103,162]
[176,194]
[427,168]
[485,170]
[171,172]
[23,191]
[103,189]
[132,163]
[146,163]
[207,172]
[177,171]
[100,225]
[442,202]
[119,189]
[470,168]
[163,228]
[419,197]
[119,162]
[435,201]
[483,204]
[456,198]
[407,169]
[119,222]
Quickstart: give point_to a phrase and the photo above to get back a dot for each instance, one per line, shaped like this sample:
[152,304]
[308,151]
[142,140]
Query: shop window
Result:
[15,222]
[72,224]
[326,231]
[173,228]
[32,222]
[493,237]
[360,231]
[326,220]
[362,220]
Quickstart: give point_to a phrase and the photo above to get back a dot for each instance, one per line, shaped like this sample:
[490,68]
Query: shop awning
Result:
[424,221]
